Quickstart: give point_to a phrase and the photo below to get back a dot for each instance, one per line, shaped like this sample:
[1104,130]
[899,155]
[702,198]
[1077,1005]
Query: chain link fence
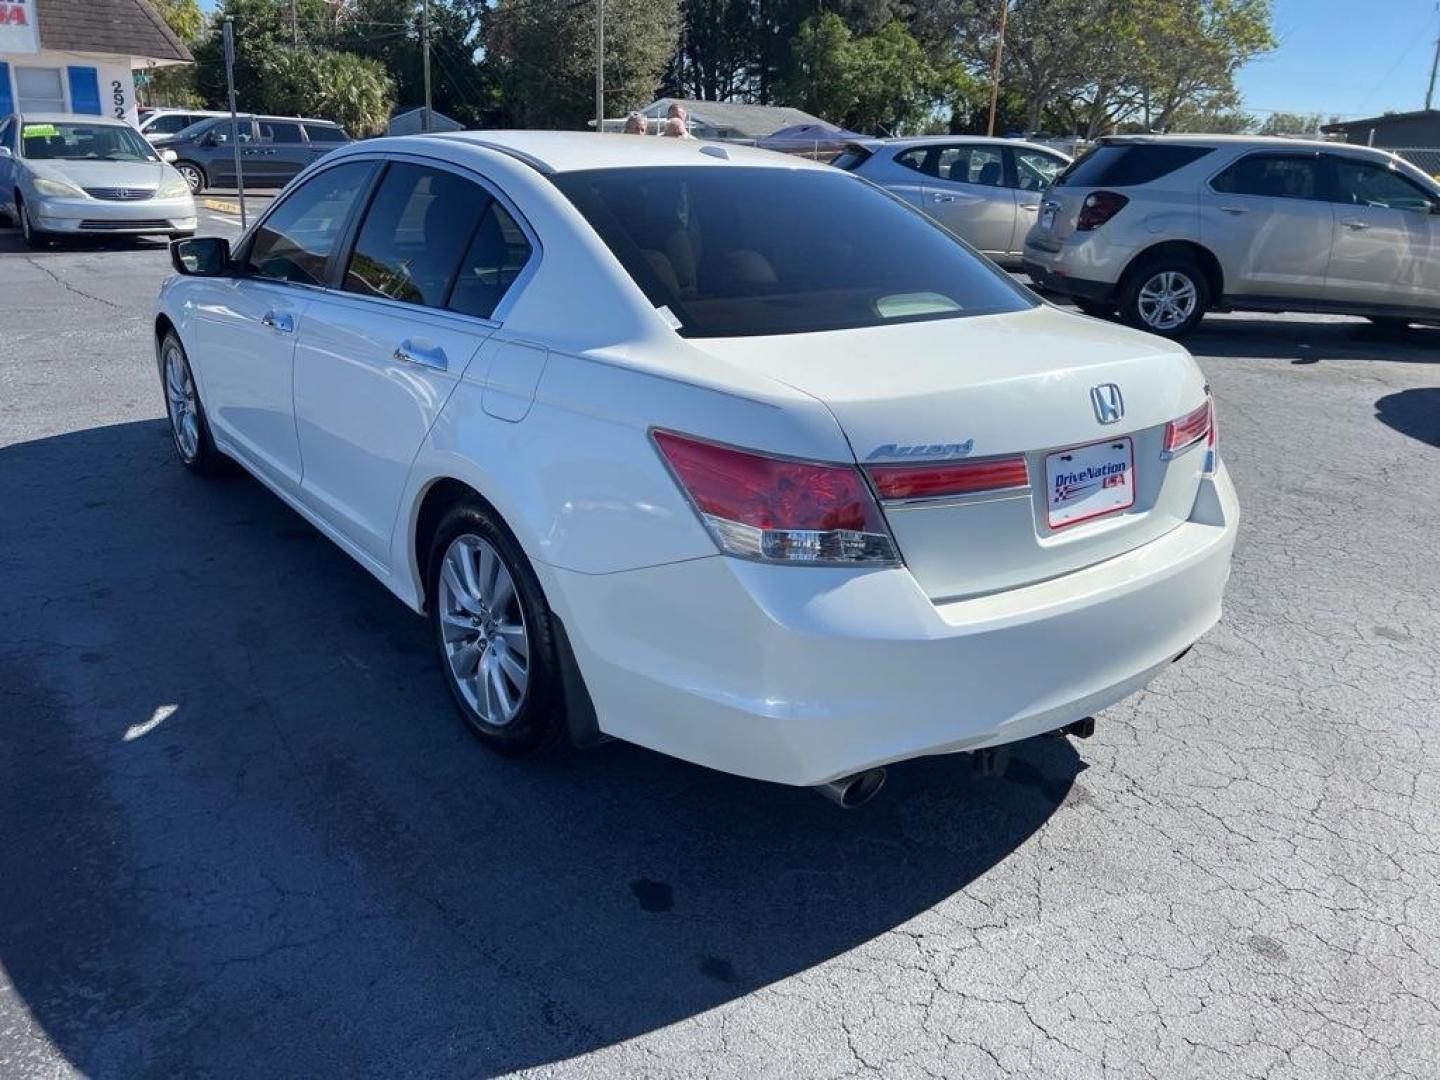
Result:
[1426,159]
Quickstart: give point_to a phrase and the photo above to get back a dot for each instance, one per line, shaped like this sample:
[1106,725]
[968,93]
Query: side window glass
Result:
[324,133]
[1274,176]
[1363,183]
[414,234]
[497,254]
[1035,171]
[5,139]
[275,131]
[972,165]
[297,239]
[912,159]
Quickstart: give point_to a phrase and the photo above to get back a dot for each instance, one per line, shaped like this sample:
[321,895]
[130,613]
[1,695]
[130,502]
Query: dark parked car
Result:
[272,149]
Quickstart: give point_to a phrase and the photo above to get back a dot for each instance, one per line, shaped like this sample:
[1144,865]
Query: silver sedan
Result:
[63,174]
[986,191]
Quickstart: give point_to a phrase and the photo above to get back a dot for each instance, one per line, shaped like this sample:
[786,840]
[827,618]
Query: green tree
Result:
[175,85]
[1193,49]
[353,90]
[1286,123]
[541,54]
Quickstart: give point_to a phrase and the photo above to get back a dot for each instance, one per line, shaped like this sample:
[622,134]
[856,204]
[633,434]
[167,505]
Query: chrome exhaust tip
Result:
[854,790]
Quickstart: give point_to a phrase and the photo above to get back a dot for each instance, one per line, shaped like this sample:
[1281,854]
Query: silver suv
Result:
[985,191]
[1164,228]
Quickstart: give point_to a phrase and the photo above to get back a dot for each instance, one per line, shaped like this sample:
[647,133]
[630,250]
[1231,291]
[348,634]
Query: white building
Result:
[80,55]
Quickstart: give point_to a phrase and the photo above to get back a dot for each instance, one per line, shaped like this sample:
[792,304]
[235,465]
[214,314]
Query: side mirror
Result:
[169,156]
[200,256]
[212,139]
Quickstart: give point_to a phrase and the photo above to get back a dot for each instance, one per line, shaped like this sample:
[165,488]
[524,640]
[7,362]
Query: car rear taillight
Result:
[1098,208]
[1191,428]
[776,509]
[937,480]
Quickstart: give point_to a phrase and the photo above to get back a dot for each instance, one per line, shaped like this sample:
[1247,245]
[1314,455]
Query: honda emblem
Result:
[1109,404]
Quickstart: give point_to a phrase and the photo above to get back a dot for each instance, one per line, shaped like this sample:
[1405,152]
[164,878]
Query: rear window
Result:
[852,157]
[734,252]
[1127,164]
[326,133]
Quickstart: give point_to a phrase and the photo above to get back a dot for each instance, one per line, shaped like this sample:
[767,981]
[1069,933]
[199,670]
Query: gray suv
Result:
[272,149]
[1164,228]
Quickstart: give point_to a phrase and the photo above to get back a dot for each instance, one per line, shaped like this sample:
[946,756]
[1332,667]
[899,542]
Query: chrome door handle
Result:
[282,321]
[1235,209]
[1029,206]
[1355,223]
[408,353]
[938,197]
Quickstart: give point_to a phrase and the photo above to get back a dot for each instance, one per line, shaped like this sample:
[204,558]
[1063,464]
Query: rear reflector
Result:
[776,509]
[948,478]
[1190,428]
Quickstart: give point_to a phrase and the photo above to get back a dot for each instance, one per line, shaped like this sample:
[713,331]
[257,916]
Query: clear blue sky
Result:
[1349,57]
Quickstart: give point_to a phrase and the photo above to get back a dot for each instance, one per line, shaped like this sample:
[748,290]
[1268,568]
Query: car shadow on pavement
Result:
[12,243]
[247,836]
[1414,412]
[1303,341]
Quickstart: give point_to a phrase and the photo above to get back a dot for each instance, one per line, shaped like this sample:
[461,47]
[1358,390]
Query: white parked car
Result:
[666,455]
[1165,228]
[65,175]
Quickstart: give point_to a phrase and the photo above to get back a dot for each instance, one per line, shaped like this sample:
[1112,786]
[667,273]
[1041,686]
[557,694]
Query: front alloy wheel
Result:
[188,426]
[192,175]
[32,236]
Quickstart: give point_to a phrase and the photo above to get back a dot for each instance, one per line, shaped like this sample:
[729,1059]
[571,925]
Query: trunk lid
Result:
[995,386]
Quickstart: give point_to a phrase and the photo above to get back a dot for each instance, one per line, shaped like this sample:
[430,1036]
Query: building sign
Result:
[19,31]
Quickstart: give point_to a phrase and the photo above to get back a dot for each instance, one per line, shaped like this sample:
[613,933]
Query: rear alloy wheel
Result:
[193,174]
[492,634]
[1166,297]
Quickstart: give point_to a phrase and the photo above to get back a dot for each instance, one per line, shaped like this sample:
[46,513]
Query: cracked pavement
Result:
[246,836]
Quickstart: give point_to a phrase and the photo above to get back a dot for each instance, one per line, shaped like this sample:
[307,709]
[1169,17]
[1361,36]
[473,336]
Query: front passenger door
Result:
[1386,251]
[242,337]
[378,360]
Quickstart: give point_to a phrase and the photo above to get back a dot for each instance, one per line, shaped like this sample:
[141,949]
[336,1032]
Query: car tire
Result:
[189,426]
[194,176]
[1166,296]
[1095,309]
[35,239]
[494,640]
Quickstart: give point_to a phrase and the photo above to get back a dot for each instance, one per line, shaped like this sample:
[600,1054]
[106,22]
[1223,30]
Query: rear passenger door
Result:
[380,355]
[1386,250]
[1266,219]
[967,193]
[283,151]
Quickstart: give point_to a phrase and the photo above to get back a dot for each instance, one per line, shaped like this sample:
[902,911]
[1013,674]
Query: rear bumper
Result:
[1101,292]
[803,675]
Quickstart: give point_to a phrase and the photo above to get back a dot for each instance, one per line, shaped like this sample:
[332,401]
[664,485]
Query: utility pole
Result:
[995,71]
[425,59]
[228,37]
[599,66]
[1434,67]
[294,26]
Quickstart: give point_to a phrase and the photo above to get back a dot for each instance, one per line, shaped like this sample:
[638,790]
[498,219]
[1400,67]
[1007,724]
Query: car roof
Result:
[69,118]
[952,140]
[572,151]
[1198,139]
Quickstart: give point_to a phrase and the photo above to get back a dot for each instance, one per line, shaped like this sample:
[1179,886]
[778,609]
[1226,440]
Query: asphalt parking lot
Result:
[245,835]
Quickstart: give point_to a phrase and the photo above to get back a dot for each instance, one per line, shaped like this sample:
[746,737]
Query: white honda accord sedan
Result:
[721,452]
